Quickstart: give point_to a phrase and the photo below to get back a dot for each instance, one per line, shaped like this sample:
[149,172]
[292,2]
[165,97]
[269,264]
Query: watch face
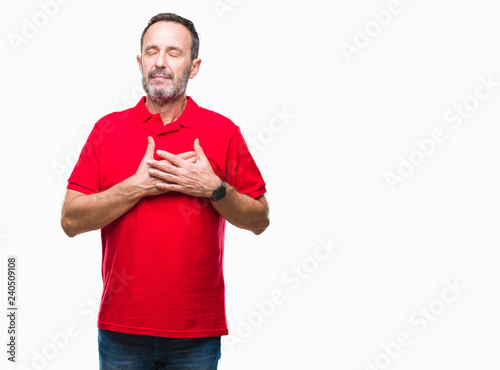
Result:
[219,193]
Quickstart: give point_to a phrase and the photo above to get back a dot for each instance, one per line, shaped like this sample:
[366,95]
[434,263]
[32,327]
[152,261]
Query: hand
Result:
[175,173]
[144,180]
[188,156]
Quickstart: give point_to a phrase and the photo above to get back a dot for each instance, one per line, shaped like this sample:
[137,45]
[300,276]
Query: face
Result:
[165,62]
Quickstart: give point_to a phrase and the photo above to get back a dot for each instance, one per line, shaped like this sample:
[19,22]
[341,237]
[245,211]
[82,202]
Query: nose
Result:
[160,61]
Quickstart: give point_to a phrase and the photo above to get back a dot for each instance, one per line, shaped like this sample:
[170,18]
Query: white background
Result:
[353,122]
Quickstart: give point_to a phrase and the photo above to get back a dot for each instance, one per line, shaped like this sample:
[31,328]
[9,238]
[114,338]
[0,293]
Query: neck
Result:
[170,111]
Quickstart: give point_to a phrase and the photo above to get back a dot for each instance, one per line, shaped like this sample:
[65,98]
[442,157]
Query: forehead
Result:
[164,34]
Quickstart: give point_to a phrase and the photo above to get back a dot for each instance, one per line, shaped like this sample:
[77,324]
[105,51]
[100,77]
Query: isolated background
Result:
[352,122]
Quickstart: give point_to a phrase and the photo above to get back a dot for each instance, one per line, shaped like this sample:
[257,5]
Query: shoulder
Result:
[207,117]
[111,121]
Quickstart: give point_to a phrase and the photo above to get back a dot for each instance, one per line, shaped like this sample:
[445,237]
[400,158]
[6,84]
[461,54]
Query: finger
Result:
[149,151]
[163,175]
[168,187]
[200,154]
[158,189]
[151,148]
[172,158]
[163,166]
[187,155]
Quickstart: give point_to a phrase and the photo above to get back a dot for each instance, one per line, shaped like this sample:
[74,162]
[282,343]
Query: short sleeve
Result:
[242,172]
[85,175]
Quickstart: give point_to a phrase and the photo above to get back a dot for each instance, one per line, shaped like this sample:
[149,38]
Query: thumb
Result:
[150,150]
[200,154]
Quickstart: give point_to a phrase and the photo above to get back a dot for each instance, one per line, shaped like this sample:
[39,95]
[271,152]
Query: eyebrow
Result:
[156,47]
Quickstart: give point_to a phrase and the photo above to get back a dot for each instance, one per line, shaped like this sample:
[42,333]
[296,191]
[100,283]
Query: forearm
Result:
[198,179]
[92,212]
[243,211]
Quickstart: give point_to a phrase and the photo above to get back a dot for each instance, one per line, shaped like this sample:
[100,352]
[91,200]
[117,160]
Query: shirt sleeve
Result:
[85,175]
[242,172]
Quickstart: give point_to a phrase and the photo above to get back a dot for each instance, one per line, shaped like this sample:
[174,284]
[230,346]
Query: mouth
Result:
[160,77]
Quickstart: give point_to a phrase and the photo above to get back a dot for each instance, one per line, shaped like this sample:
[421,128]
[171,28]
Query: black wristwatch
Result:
[220,192]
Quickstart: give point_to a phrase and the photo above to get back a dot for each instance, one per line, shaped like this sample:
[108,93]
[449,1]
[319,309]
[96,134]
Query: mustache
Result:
[159,71]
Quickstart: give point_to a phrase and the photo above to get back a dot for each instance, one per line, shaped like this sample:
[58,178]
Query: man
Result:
[159,180]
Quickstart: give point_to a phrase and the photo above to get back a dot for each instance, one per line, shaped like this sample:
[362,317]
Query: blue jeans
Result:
[120,351]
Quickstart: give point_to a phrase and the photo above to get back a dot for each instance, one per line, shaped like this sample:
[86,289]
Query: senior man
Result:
[159,180]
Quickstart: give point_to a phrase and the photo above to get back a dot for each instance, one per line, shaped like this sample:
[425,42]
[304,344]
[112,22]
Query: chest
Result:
[122,150]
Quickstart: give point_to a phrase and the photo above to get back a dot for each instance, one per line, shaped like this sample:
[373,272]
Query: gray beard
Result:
[164,95]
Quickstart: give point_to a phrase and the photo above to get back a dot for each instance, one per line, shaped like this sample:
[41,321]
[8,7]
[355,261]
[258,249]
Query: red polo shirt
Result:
[162,260]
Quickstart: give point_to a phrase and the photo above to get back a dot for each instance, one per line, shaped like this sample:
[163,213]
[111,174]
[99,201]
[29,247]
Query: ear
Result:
[139,62]
[195,67]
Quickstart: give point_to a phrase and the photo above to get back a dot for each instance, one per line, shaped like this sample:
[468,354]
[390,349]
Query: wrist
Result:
[212,184]
[131,188]
[219,192]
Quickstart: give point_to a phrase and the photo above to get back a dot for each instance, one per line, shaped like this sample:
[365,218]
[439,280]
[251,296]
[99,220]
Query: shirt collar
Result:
[187,118]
